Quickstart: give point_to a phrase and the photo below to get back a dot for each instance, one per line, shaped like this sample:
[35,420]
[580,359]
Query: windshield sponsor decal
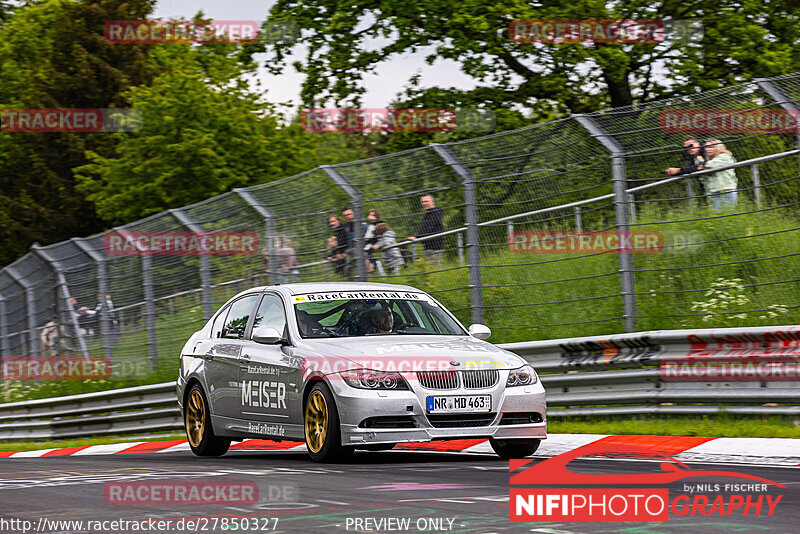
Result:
[359,295]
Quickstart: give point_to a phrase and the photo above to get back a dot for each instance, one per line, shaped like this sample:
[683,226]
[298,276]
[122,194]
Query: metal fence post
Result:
[102,288]
[460,245]
[631,208]
[784,101]
[578,219]
[3,329]
[269,231]
[33,347]
[149,301]
[473,238]
[358,218]
[621,212]
[149,309]
[205,269]
[756,184]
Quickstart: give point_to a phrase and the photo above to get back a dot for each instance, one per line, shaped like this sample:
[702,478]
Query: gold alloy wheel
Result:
[316,421]
[195,418]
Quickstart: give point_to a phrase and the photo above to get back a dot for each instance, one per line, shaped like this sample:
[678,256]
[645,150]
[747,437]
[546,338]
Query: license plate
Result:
[460,403]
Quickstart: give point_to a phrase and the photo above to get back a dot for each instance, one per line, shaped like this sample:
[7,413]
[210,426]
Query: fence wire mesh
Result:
[546,232]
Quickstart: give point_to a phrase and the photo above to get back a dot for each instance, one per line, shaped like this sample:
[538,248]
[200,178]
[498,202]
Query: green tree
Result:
[346,40]
[53,56]
[204,131]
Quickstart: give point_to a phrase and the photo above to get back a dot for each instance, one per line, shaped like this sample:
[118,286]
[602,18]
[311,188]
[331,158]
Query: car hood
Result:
[408,352]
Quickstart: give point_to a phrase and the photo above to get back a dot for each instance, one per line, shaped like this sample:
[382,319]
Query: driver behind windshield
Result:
[382,320]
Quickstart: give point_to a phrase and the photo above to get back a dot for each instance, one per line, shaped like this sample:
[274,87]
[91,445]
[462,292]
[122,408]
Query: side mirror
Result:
[267,336]
[479,331]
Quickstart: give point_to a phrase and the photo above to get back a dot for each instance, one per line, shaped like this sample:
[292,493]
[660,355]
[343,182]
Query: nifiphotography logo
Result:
[639,497]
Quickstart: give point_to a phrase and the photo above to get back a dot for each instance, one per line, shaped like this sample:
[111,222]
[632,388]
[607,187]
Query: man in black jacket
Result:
[432,223]
[340,233]
[694,160]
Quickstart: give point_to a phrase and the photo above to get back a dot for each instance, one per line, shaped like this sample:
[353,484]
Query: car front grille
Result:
[438,379]
[480,379]
[453,420]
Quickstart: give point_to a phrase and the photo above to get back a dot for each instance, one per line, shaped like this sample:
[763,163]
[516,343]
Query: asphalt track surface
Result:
[455,493]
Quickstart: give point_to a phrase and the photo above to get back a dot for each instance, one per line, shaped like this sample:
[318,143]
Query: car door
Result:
[222,358]
[270,379]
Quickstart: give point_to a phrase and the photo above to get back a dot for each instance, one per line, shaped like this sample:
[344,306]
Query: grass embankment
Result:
[710,426]
[19,446]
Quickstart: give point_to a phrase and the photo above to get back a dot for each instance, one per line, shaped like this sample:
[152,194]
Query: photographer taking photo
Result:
[695,158]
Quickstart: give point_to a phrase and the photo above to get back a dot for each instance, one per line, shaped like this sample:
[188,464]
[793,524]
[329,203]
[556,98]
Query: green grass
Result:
[664,297]
[724,425]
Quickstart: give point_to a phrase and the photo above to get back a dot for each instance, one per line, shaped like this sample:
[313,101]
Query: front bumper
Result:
[358,405]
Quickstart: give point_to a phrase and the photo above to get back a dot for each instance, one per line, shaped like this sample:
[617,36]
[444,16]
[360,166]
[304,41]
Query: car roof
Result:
[314,287]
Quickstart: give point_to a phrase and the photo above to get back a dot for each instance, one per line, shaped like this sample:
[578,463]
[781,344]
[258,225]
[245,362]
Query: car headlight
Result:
[524,376]
[369,379]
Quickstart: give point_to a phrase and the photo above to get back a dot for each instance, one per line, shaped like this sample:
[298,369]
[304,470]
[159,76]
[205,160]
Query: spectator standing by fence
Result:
[287,259]
[51,338]
[721,187]
[373,219]
[339,252]
[337,259]
[392,258]
[350,227]
[694,160]
[432,223]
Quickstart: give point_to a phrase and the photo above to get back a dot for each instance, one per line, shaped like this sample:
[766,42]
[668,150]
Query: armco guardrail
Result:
[744,371]
[118,411]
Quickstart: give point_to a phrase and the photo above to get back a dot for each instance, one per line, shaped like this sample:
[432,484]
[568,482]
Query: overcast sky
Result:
[381,88]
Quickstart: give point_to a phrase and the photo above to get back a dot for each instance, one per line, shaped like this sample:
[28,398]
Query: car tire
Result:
[514,448]
[321,427]
[197,421]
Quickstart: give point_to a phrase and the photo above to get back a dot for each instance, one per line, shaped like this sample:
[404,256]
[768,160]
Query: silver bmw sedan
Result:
[346,366]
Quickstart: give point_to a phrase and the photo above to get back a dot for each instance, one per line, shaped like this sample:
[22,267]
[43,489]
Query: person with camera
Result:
[694,154]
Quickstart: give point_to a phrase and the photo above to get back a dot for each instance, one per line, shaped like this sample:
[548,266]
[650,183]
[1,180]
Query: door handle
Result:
[244,358]
[208,357]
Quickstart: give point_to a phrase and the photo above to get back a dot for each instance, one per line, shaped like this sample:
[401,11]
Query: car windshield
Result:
[364,313]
